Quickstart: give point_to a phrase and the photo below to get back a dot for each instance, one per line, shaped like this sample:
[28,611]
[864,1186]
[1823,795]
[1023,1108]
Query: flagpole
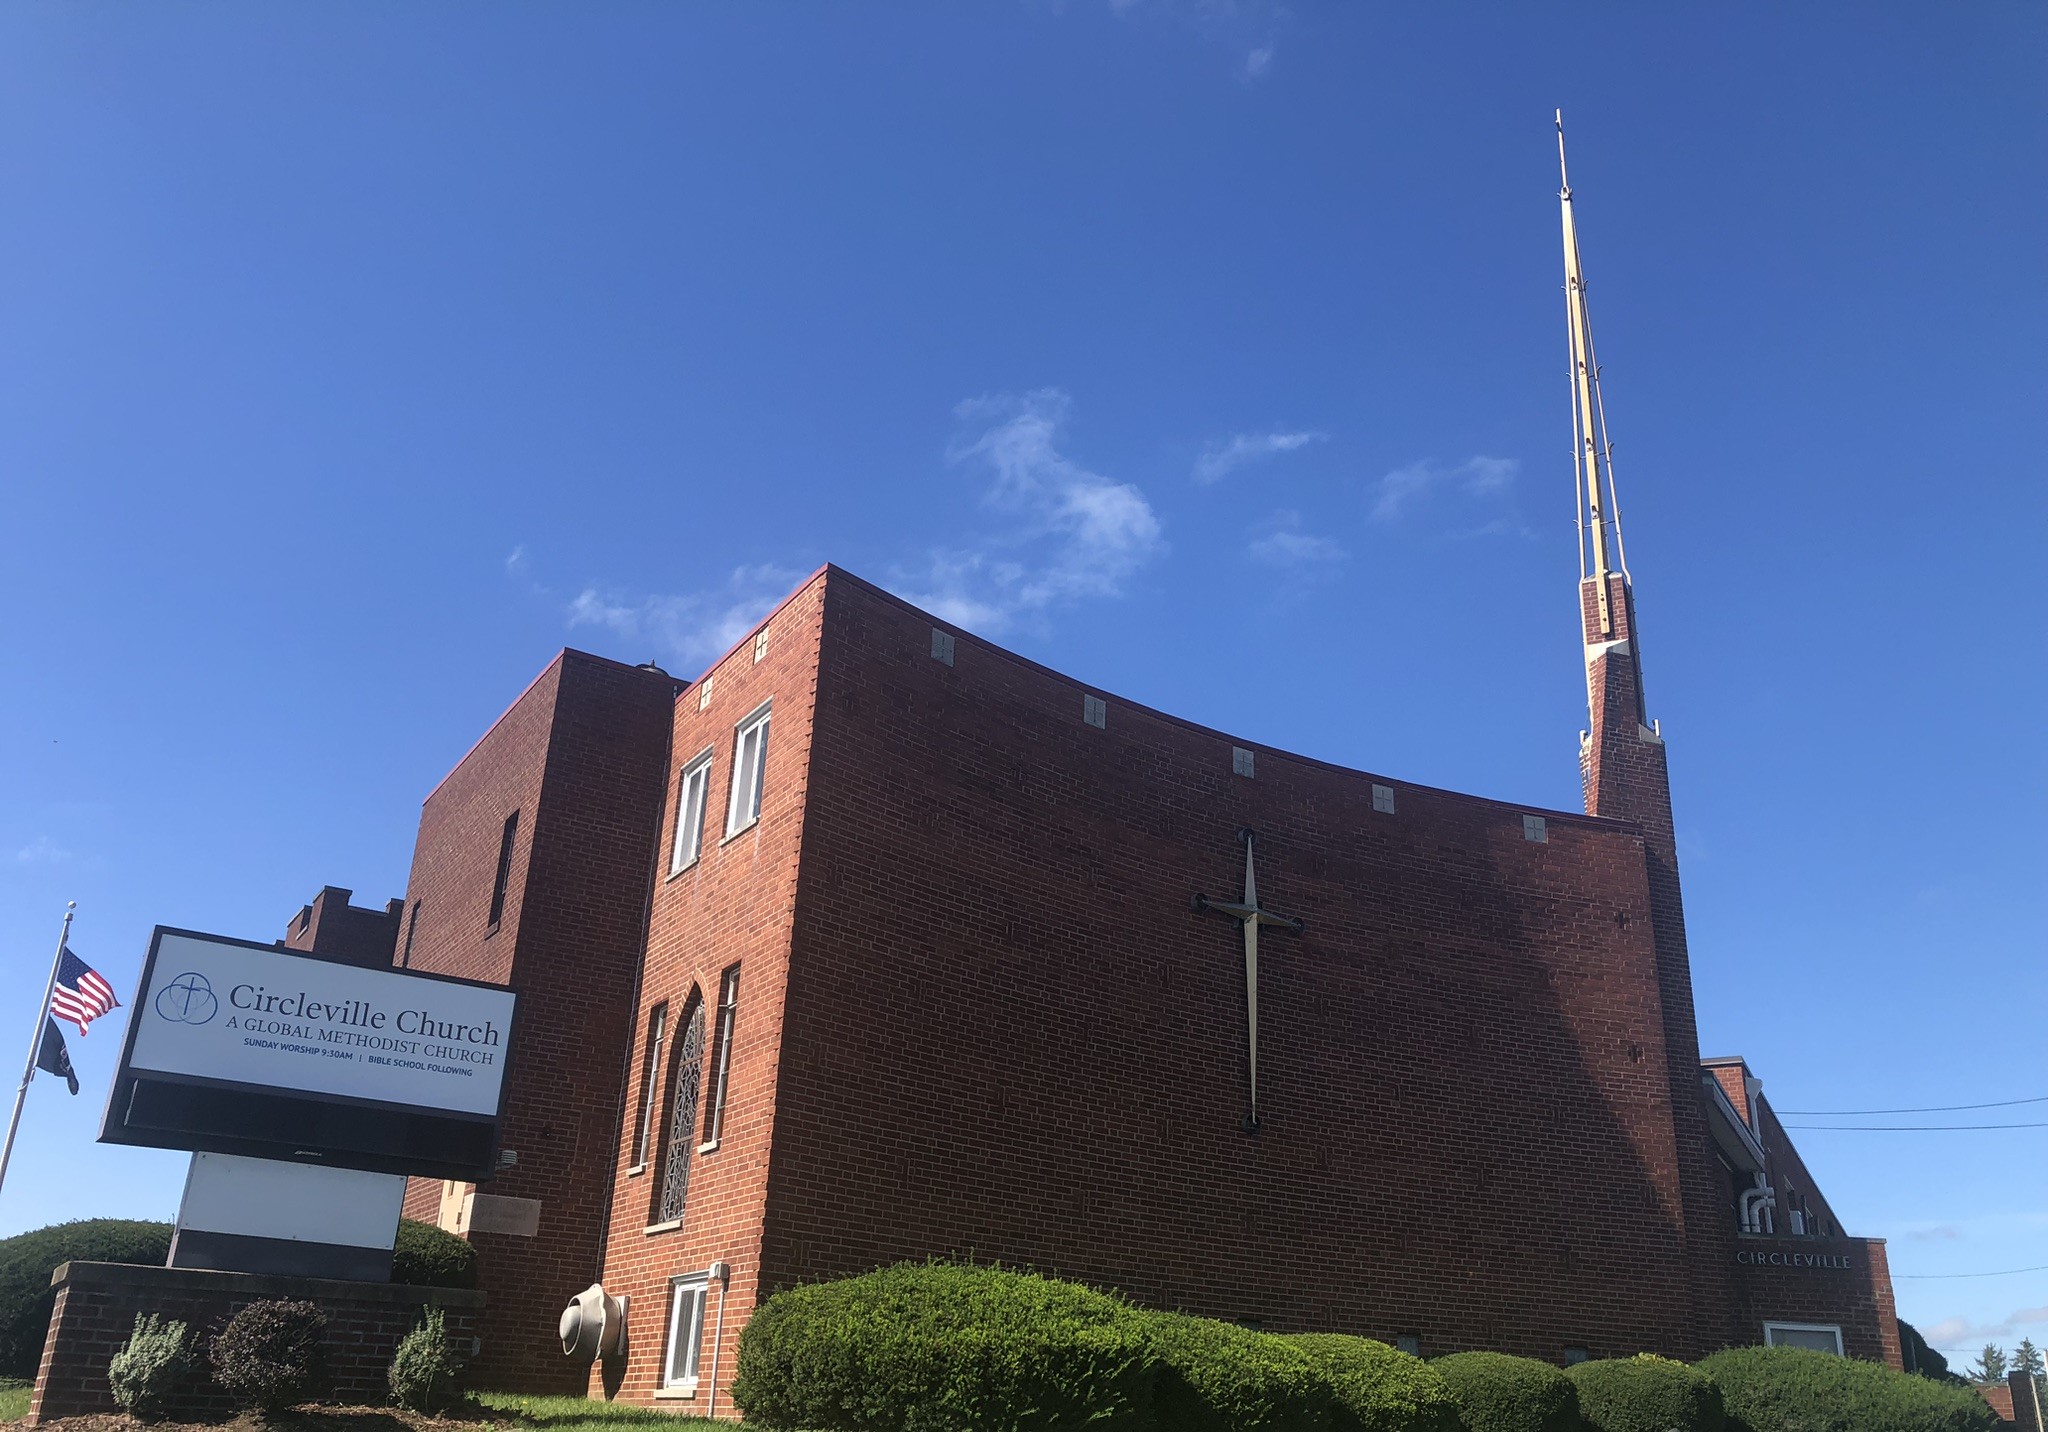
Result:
[35,1042]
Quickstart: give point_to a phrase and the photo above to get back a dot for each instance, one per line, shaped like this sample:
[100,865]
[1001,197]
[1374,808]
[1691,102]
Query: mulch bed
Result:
[299,1419]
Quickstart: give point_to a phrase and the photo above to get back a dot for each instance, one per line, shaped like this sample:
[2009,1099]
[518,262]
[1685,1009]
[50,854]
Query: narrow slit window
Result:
[683,1106]
[749,761]
[690,790]
[504,879]
[721,1051]
[650,1084]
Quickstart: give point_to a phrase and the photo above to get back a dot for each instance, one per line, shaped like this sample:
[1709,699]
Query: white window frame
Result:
[1771,1329]
[687,1298]
[743,800]
[650,1086]
[688,844]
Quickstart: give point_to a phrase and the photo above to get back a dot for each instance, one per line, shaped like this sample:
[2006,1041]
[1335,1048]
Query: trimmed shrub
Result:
[1218,1377]
[1789,1389]
[429,1257]
[1379,1389]
[1646,1393]
[1499,1393]
[424,1370]
[928,1347]
[153,1366]
[269,1356]
[28,1259]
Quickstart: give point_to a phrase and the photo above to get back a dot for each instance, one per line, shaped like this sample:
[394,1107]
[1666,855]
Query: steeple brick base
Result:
[1622,766]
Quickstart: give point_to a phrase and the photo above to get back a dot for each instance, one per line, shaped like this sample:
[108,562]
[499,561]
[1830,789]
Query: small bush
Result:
[150,1369]
[1377,1388]
[28,1259]
[1789,1389]
[269,1356]
[1646,1393]
[1218,1377]
[1499,1393]
[430,1257]
[926,1347]
[424,1369]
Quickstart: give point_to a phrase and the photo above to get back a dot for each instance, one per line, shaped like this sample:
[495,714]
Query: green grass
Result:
[578,1414]
[13,1399]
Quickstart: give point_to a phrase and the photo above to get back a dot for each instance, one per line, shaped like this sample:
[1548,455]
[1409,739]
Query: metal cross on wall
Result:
[1248,914]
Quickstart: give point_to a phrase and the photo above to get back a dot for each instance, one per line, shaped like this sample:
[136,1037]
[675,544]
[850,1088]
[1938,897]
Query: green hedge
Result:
[429,1257]
[1499,1393]
[1646,1393]
[1787,1389]
[926,1347]
[1377,1388]
[1218,1377]
[28,1259]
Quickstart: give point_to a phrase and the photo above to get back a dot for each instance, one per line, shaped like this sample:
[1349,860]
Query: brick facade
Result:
[577,758]
[98,1303]
[978,1014]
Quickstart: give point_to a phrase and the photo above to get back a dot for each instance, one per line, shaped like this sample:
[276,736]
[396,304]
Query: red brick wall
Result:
[1007,1033]
[580,757]
[733,906]
[1626,776]
[98,1303]
[1794,1280]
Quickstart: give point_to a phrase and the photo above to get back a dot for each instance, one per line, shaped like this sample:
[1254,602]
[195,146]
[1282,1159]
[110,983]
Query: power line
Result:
[1994,1273]
[1910,1128]
[1929,1109]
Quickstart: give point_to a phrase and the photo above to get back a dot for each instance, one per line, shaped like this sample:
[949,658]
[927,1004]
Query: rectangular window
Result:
[721,1056]
[690,789]
[650,1084]
[504,868]
[685,1330]
[749,760]
[1817,1337]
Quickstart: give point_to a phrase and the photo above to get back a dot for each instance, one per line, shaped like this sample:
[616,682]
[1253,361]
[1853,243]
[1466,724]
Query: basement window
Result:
[685,1332]
[1815,1337]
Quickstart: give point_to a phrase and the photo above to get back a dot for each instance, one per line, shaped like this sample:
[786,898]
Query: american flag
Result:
[82,993]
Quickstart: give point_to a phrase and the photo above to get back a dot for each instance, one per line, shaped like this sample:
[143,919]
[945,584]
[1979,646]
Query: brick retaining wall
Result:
[98,1303]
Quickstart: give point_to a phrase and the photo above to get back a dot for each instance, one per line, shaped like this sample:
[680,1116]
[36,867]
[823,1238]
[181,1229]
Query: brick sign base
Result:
[98,1303]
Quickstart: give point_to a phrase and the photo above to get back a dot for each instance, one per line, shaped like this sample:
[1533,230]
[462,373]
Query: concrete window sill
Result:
[668,1227]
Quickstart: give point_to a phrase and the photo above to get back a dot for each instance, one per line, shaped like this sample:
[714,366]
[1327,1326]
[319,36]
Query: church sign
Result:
[243,1048]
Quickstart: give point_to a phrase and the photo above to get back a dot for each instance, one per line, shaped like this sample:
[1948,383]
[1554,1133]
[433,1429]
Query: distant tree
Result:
[1922,1359]
[1990,1366]
[2027,1358]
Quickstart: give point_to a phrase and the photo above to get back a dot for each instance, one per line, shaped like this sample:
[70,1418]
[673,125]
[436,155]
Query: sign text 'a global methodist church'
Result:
[225,1010]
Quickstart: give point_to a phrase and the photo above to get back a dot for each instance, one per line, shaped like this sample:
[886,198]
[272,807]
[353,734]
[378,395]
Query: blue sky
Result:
[357,357]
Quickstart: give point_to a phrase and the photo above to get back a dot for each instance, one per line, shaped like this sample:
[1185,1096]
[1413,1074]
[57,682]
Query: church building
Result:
[876,941]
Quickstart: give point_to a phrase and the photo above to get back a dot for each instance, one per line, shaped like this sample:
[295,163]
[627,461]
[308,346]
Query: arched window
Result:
[682,1118]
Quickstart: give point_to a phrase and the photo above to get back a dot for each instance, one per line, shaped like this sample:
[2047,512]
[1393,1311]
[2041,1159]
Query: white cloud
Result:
[693,629]
[1476,477]
[1218,459]
[1258,62]
[1282,543]
[1934,1233]
[1068,533]
[42,851]
[516,562]
[1968,1333]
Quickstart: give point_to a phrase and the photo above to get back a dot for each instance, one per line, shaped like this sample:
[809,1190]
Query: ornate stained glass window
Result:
[682,1127]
